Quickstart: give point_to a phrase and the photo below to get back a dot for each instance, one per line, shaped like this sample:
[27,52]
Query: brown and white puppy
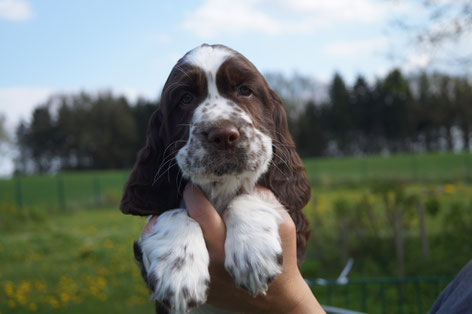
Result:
[221,127]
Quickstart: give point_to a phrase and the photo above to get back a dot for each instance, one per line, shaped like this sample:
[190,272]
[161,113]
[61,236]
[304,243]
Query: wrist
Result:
[301,299]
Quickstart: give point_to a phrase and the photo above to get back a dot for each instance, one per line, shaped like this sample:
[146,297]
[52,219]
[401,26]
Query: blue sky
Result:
[50,46]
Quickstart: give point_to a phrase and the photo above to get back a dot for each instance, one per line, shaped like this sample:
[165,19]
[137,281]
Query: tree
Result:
[79,131]
[4,138]
[341,121]
[396,100]
[40,139]
[310,136]
[447,112]
[366,117]
[463,98]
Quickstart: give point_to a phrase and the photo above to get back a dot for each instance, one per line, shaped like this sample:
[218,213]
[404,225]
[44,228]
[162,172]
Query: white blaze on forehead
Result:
[208,58]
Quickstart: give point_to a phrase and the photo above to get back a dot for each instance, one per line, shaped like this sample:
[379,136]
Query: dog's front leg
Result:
[176,261]
[252,248]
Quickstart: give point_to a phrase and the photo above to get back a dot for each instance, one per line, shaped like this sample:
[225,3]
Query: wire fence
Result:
[420,168]
[99,188]
[64,191]
[381,295]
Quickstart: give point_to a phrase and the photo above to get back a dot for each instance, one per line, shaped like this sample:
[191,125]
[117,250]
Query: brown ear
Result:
[286,176]
[153,185]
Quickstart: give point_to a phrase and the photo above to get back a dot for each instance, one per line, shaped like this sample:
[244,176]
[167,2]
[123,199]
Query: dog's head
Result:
[218,123]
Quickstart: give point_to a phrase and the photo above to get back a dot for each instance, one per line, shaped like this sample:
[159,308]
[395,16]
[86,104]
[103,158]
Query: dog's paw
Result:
[253,249]
[177,262]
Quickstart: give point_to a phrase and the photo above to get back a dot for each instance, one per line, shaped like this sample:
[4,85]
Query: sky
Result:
[129,47]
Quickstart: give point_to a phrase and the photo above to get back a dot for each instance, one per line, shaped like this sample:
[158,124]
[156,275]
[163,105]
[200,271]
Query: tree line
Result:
[427,112]
[396,113]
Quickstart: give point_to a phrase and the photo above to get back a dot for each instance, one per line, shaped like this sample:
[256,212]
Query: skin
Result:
[288,293]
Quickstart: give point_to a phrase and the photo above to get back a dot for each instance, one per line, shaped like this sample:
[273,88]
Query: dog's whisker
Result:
[277,168]
[185,124]
[167,171]
[180,183]
[163,164]
[286,164]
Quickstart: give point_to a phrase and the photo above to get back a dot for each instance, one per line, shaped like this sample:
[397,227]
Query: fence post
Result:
[382,297]
[60,193]
[19,193]
[98,193]
[467,168]
[364,297]
[418,296]
[346,295]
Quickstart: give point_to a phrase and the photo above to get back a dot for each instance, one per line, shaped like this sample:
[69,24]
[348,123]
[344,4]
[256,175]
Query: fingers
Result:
[147,228]
[267,195]
[200,209]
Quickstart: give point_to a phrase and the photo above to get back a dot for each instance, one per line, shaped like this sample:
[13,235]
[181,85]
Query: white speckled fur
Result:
[176,260]
[252,248]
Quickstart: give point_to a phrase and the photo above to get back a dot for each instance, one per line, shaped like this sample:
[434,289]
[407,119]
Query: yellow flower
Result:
[33,307]
[11,303]
[53,301]
[64,297]
[449,188]
[8,287]
[40,286]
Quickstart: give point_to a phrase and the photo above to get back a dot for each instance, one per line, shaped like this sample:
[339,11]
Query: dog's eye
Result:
[243,90]
[186,99]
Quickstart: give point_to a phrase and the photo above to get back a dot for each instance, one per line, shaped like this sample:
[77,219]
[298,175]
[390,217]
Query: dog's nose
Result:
[223,137]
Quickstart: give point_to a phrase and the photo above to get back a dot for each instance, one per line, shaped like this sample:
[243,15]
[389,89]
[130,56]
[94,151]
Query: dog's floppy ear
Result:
[152,185]
[286,176]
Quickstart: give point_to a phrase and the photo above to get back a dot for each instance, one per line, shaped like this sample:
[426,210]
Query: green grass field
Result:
[432,167]
[66,248]
[80,262]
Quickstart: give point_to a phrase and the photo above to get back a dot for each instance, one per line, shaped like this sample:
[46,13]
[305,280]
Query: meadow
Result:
[65,247]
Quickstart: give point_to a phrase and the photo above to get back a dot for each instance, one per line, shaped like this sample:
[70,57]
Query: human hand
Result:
[288,293]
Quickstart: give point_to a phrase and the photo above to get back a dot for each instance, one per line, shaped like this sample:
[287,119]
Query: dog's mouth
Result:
[223,163]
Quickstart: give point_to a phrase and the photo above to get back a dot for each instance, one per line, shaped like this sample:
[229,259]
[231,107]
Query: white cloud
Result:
[418,60]
[339,10]
[17,103]
[273,17]
[216,16]
[356,47]
[15,10]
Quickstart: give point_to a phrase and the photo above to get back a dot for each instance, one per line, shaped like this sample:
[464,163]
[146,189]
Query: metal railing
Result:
[380,295]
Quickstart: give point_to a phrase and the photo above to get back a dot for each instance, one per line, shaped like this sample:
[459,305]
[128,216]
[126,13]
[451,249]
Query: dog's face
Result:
[218,122]
[228,139]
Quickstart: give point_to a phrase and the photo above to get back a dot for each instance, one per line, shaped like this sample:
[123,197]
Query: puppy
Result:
[220,126]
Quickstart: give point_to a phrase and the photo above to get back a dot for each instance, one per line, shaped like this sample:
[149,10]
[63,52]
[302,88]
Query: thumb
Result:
[201,210]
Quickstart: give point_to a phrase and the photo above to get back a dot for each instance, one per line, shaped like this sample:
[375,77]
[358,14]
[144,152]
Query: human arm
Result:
[288,293]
